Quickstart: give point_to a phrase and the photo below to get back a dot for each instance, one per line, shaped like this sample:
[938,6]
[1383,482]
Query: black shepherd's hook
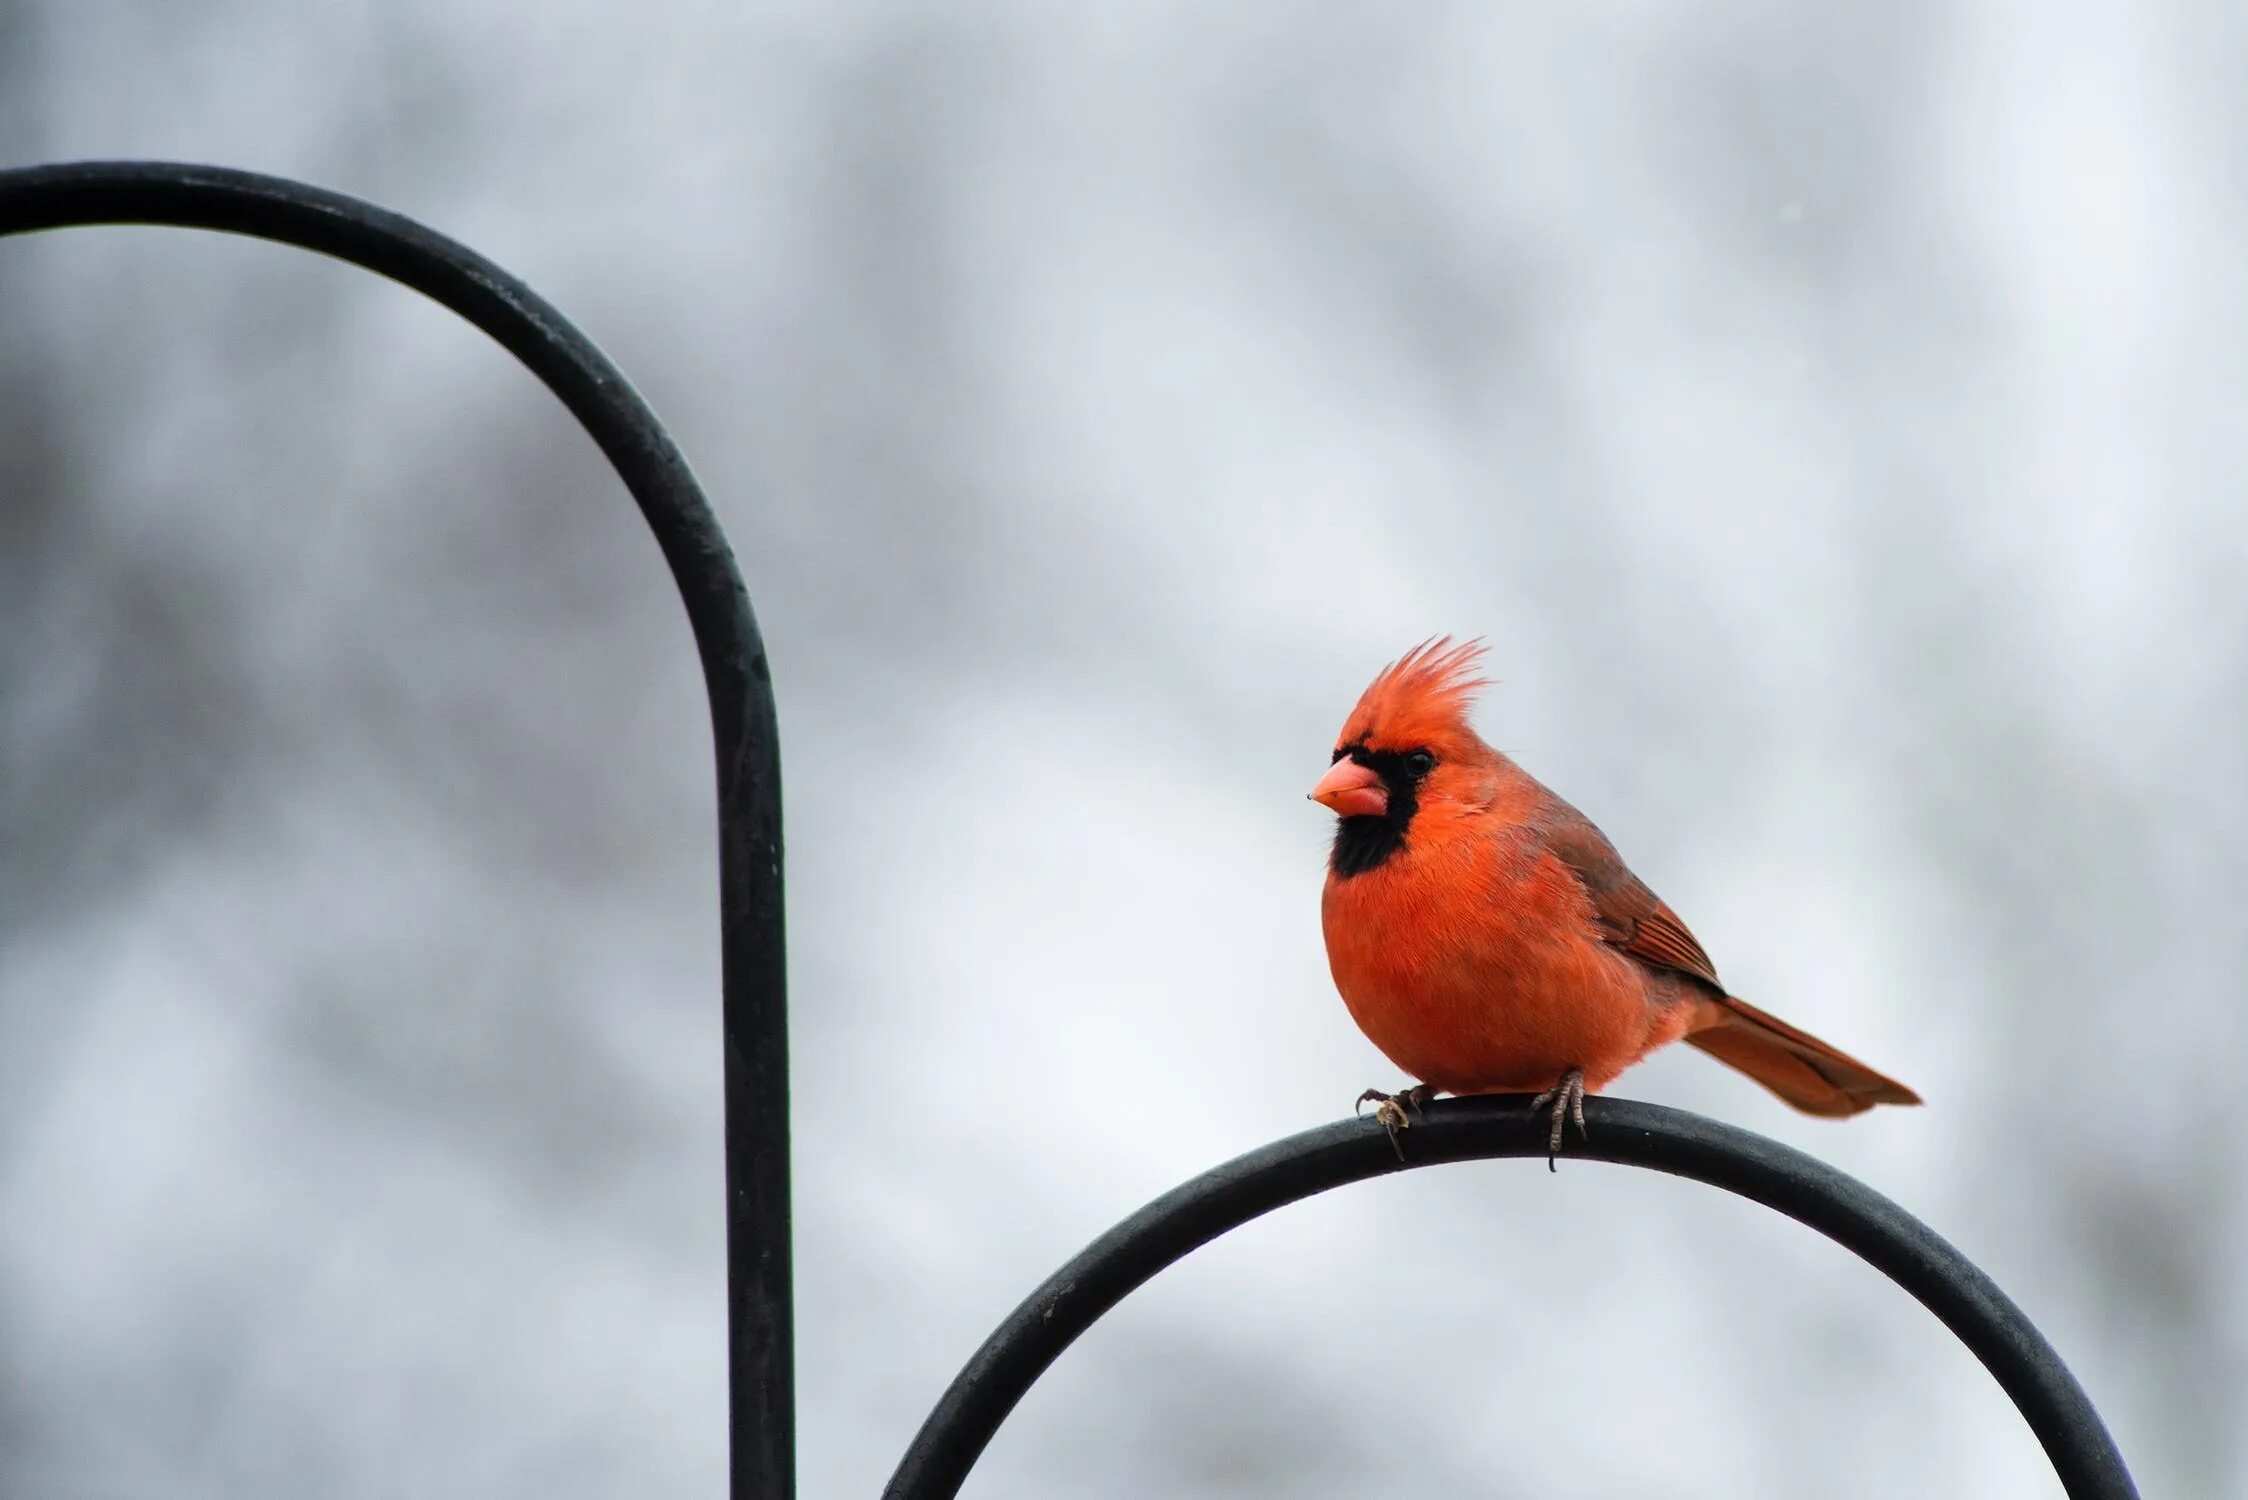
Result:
[1619,1130]
[760,1339]
[760,1343]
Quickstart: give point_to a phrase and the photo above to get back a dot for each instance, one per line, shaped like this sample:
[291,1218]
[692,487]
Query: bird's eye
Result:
[1420,762]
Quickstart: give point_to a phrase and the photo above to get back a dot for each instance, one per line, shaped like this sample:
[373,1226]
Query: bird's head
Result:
[1406,746]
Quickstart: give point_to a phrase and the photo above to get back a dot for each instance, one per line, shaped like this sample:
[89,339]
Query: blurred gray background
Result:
[1831,415]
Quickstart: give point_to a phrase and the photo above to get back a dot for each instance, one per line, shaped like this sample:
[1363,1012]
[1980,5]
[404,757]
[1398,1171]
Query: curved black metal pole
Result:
[760,1340]
[1645,1135]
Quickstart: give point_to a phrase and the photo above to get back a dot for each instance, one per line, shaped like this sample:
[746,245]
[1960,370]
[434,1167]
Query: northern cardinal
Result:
[1488,938]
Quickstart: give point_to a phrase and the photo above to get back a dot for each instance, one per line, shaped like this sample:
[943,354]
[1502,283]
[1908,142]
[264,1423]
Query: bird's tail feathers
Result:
[1797,1066]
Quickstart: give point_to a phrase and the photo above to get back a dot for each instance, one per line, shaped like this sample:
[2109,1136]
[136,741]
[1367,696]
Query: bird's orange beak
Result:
[1352,790]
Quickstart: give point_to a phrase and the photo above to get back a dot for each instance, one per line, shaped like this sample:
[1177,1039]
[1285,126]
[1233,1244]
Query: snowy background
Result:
[1832,416]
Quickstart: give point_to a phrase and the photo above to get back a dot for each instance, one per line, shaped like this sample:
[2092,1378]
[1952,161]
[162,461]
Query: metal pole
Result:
[1644,1135]
[760,1347]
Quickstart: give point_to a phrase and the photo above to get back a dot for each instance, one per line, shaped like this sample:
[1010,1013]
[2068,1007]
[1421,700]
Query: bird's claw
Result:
[1567,1100]
[1394,1112]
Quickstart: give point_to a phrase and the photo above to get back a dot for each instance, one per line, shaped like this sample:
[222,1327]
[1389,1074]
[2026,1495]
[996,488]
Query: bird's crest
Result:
[1419,699]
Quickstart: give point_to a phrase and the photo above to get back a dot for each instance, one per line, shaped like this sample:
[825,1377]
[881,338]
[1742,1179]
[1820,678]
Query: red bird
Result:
[1488,939]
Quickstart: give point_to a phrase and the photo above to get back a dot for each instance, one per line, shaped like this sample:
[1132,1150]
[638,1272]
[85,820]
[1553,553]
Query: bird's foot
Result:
[1567,1100]
[1393,1111]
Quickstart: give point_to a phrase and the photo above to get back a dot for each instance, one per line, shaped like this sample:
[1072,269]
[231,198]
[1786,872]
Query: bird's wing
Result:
[1810,1074]
[1631,916]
